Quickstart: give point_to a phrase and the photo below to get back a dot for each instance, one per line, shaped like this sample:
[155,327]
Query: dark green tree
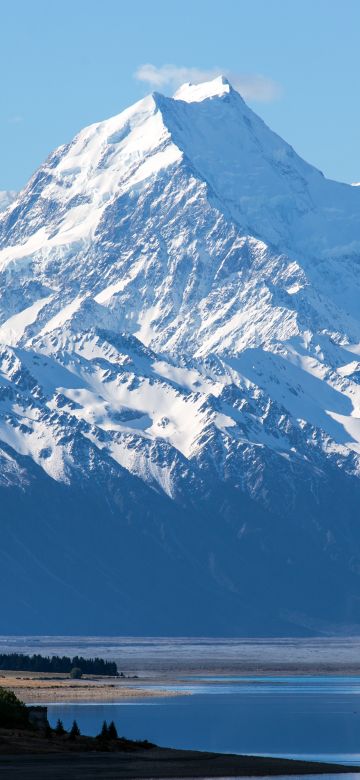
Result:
[13,712]
[112,731]
[104,733]
[74,731]
[59,729]
[56,664]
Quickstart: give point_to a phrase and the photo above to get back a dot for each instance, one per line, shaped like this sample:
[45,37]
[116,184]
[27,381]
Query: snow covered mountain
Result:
[180,381]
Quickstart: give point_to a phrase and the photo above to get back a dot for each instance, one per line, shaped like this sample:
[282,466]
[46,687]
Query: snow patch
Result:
[14,328]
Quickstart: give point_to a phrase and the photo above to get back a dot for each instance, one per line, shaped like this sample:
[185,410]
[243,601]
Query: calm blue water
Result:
[312,717]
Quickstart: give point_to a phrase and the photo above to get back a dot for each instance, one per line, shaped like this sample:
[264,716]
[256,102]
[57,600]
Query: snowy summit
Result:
[196,93]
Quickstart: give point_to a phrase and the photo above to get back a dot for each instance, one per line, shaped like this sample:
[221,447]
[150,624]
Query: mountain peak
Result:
[180,366]
[196,93]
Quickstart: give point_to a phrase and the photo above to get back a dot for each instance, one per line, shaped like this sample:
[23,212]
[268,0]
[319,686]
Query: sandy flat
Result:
[40,688]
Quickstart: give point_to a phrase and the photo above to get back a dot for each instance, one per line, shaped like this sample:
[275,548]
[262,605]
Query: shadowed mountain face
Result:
[180,381]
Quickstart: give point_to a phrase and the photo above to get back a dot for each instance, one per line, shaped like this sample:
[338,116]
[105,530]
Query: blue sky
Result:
[67,64]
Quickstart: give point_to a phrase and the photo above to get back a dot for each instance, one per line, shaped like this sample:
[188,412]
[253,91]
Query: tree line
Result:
[56,664]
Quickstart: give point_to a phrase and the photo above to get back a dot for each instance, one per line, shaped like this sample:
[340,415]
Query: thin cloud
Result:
[170,77]
[15,120]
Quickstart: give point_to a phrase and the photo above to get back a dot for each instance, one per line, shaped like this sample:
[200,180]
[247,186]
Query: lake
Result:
[315,717]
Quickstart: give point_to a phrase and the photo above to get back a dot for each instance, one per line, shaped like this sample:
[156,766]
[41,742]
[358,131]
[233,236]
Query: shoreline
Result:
[153,762]
[40,688]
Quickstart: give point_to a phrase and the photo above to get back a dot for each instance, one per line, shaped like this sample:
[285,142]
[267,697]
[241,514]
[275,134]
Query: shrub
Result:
[76,673]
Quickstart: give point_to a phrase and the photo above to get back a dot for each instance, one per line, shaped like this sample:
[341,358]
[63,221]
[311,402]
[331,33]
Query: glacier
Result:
[180,381]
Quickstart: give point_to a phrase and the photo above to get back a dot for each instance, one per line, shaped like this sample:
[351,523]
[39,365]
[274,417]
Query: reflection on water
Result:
[316,718]
[284,685]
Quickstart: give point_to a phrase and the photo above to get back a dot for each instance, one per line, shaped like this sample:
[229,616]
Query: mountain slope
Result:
[180,341]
